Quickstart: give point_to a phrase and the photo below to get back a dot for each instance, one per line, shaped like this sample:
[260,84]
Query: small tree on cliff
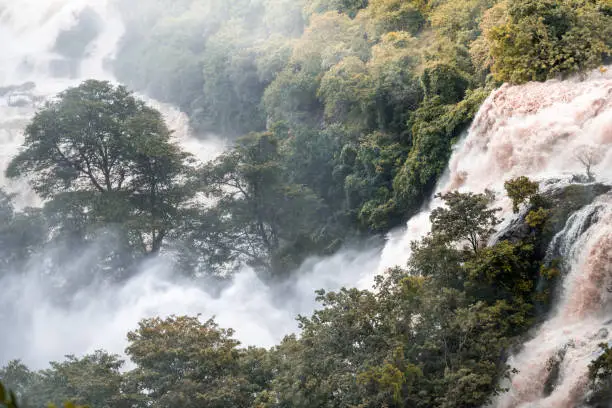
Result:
[589,156]
[519,190]
[465,217]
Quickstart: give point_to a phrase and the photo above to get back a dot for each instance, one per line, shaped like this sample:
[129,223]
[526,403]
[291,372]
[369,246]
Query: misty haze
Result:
[306,203]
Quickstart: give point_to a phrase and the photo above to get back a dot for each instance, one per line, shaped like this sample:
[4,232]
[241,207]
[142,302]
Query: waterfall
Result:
[580,321]
[534,130]
[537,130]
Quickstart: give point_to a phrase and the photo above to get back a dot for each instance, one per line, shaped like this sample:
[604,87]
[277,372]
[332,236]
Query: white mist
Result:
[533,130]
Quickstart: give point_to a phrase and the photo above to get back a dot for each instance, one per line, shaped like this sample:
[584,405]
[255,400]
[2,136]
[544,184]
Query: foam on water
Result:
[534,130]
[537,130]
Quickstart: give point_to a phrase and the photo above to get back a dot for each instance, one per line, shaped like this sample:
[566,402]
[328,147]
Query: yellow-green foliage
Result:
[459,20]
[480,51]
[390,379]
[542,39]
[537,218]
[520,190]
[348,7]
[328,39]
[346,90]
[549,272]
[385,16]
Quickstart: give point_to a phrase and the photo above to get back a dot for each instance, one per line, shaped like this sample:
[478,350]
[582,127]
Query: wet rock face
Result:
[553,369]
[518,229]
[72,43]
[561,202]
[575,196]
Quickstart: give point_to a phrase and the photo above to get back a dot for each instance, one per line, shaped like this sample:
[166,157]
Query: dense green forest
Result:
[360,101]
[364,98]
[343,114]
[433,334]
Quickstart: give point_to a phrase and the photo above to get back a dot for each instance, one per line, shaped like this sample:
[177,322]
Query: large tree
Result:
[184,362]
[99,155]
[259,217]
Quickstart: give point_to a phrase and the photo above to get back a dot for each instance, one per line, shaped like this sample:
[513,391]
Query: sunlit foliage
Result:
[545,39]
[434,334]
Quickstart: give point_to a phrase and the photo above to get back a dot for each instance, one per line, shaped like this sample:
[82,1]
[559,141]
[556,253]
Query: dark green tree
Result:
[102,155]
[93,380]
[258,217]
[184,362]
[464,217]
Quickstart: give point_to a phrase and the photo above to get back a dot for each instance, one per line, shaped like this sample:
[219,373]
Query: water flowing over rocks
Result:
[532,130]
[536,130]
[563,198]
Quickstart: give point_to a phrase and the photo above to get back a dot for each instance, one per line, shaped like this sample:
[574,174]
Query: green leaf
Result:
[13,399]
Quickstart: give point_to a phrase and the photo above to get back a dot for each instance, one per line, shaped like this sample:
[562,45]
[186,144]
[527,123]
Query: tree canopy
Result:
[341,115]
[435,333]
[99,154]
[395,82]
[540,40]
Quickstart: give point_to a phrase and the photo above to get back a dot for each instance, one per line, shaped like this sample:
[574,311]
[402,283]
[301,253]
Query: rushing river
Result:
[534,130]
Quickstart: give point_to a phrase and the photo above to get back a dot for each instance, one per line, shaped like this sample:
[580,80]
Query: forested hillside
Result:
[361,99]
[434,334]
[342,116]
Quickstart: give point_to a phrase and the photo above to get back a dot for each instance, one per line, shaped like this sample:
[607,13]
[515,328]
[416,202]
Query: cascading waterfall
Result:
[580,322]
[530,130]
[537,130]
[533,130]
